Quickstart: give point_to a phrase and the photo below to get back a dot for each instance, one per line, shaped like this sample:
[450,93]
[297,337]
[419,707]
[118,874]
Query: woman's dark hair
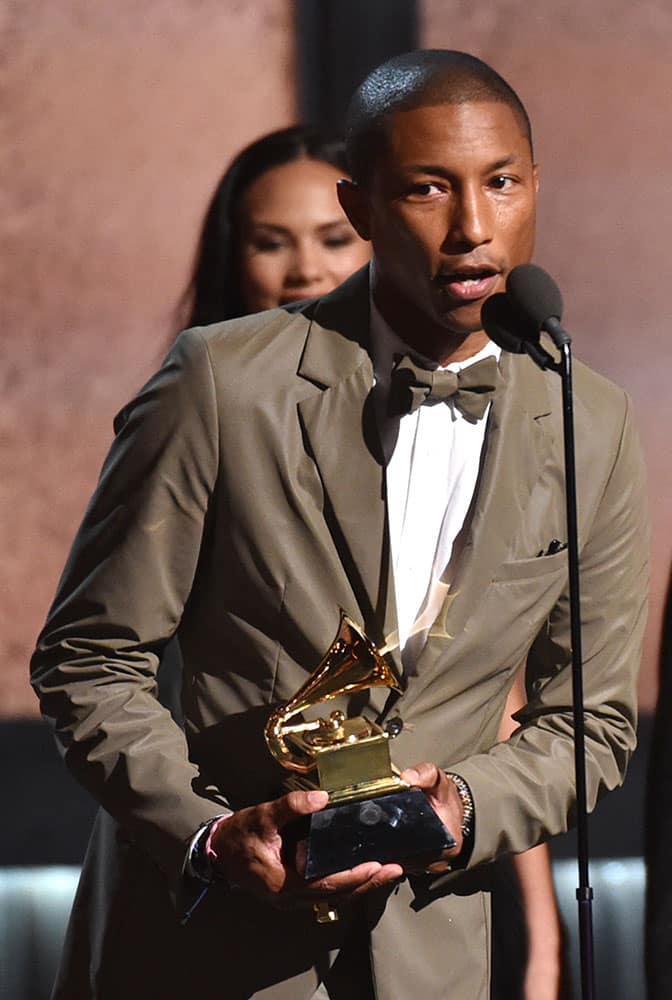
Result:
[214,289]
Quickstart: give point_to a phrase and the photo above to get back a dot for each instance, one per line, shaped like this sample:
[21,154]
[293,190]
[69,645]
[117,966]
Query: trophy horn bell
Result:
[352,663]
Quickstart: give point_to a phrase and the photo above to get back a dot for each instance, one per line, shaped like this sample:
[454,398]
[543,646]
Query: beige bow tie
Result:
[471,389]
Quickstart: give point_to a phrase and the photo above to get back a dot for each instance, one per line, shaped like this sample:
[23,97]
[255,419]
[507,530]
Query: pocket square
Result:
[554,546]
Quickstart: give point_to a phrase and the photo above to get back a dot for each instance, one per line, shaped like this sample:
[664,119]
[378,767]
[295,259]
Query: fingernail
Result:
[411,776]
[318,798]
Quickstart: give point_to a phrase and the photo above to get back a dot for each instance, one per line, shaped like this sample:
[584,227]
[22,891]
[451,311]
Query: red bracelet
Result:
[209,852]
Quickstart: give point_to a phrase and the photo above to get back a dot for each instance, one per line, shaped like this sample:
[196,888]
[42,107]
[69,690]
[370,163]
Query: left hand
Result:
[250,850]
[445,800]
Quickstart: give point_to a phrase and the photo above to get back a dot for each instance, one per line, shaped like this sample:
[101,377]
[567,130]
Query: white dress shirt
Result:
[433,457]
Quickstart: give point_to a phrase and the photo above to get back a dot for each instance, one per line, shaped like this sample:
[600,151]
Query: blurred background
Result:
[117,121]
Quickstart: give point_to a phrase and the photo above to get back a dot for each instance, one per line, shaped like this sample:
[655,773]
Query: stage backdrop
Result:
[119,119]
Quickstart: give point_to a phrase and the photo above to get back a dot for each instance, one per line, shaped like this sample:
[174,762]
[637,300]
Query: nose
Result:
[471,219]
[306,266]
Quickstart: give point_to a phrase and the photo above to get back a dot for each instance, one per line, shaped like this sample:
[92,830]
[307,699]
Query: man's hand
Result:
[445,800]
[253,852]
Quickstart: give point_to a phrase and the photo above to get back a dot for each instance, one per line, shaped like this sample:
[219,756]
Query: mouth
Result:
[468,284]
[298,295]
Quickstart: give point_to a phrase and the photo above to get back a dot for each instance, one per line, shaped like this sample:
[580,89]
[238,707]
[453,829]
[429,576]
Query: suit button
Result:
[394,726]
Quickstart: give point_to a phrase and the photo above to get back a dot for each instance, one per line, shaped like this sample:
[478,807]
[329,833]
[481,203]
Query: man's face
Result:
[450,210]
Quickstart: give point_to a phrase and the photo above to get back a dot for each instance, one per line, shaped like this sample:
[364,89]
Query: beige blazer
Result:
[242,504]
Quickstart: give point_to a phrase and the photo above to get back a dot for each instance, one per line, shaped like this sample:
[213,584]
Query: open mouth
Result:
[470,283]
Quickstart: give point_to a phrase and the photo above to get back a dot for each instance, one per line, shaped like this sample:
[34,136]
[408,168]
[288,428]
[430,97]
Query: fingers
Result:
[428,865]
[251,846]
[350,884]
[290,807]
[443,798]
[385,875]
[369,875]
[344,881]
[262,848]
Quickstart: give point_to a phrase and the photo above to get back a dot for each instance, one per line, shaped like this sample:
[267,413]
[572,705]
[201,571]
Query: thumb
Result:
[296,804]
[425,776]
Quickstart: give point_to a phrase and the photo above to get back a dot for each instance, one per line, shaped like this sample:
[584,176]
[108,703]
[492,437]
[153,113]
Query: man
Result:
[277,468]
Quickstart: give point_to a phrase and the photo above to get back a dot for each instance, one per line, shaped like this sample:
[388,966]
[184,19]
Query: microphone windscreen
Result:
[503,325]
[535,293]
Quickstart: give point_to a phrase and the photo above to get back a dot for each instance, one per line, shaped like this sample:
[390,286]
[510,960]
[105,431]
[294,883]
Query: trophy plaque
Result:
[372,815]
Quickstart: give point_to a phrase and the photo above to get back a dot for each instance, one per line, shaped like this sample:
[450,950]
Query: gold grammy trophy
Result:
[372,815]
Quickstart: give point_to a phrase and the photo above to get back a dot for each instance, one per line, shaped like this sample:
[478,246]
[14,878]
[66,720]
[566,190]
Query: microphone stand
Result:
[584,892]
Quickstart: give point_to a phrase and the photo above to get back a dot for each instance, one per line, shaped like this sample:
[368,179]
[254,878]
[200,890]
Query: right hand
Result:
[249,849]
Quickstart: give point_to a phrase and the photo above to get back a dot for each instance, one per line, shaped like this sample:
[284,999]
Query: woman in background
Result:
[275,233]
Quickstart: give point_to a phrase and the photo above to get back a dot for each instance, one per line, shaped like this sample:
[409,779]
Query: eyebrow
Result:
[266,225]
[440,171]
[274,227]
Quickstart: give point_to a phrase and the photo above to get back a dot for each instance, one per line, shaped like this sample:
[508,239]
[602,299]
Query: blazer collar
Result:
[338,336]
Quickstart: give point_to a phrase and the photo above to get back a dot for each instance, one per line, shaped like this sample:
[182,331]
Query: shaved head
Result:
[417,79]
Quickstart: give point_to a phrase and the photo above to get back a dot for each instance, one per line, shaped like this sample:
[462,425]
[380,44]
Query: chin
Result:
[461,326]
[463,317]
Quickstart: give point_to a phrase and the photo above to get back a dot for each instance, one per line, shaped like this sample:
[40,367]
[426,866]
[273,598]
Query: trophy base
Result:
[386,828]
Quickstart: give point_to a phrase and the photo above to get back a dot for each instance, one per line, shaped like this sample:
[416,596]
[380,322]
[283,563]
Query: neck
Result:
[426,336]
[421,331]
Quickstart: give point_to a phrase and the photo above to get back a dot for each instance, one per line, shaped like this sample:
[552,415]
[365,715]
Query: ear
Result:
[355,203]
[535,174]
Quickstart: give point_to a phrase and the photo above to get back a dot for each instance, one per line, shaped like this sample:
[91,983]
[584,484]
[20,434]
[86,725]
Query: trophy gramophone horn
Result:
[352,663]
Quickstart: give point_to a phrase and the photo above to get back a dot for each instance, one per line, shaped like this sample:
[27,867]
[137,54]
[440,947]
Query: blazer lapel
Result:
[340,429]
[518,446]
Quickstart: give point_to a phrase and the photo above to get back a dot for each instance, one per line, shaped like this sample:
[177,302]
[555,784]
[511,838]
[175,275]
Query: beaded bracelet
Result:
[467,803]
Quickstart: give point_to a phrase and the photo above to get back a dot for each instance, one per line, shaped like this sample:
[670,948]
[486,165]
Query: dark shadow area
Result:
[658,829]
[370,33]
[49,816]
[616,827]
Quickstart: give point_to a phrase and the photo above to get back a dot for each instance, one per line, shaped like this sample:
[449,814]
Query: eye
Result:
[267,244]
[424,189]
[502,182]
[336,242]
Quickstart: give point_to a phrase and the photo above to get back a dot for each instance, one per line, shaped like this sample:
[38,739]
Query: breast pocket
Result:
[528,569]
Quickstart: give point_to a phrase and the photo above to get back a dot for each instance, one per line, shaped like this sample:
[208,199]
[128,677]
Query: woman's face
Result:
[295,241]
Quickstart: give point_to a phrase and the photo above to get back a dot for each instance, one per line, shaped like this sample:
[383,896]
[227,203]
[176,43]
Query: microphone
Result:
[512,330]
[537,297]
[514,320]
[504,325]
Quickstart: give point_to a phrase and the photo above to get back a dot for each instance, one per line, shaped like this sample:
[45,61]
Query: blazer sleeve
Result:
[524,788]
[120,599]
